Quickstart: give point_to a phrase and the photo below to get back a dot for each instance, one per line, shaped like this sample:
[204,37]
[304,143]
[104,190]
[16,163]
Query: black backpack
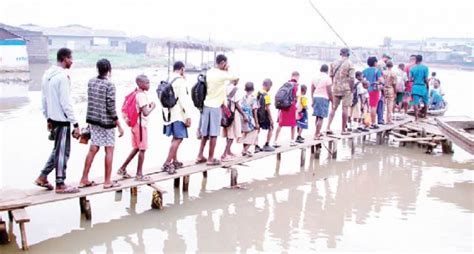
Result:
[284,97]
[262,108]
[199,92]
[166,94]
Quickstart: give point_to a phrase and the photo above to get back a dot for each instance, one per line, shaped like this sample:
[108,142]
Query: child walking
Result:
[250,127]
[302,114]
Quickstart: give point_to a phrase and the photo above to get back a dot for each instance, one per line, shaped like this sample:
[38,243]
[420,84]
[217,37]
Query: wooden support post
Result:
[176,183]
[82,204]
[204,174]
[21,217]
[134,191]
[379,138]
[3,232]
[157,197]
[118,195]
[88,210]
[313,149]
[317,153]
[10,226]
[334,150]
[185,183]
[278,156]
[447,147]
[233,177]
[303,157]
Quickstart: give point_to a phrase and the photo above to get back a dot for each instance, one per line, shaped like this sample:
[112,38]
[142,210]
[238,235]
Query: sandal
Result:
[112,185]
[214,162]
[177,164]
[123,173]
[46,185]
[67,190]
[329,132]
[142,178]
[227,158]
[88,184]
[201,160]
[345,133]
[167,167]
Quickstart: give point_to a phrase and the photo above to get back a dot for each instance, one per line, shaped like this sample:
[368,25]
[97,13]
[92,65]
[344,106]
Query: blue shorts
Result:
[420,92]
[321,107]
[210,122]
[176,129]
[302,122]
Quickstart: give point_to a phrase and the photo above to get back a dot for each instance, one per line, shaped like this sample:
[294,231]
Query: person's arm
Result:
[110,102]
[184,101]
[329,91]
[313,88]
[241,112]
[145,108]
[351,78]
[255,117]
[65,101]
[44,105]
[269,114]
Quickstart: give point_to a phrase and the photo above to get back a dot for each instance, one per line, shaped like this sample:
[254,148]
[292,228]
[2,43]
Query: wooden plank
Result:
[20,215]
[408,139]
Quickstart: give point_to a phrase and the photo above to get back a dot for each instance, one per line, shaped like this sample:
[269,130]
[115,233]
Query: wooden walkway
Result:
[16,200]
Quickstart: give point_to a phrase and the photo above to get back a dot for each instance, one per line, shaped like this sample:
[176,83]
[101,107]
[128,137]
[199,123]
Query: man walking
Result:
[342,73]
[419,76]
[57,109]
[210,122]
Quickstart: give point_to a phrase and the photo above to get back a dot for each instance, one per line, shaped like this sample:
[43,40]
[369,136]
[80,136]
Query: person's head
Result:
[267,84]
[358,75]
[221,62]
[389,64]
[324,68]
[104,68]
[412,59]
[178,67]
[345,52]
[386,57]
[437,84]
[419,59]
[295,75]
[249,88]
[433,74]
[371,61]
[64,58]
[143,82]
[401,66]
[303,89]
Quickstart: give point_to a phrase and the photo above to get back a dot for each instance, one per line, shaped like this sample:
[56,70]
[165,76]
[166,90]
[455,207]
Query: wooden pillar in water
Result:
[176,182]
[233,177]
[204,174]
[332,147]
[317,151]
[352,144]
[157,197]
[278,157]
[313,149]
[134,191]
[447,147]
[85,207]
[185,183]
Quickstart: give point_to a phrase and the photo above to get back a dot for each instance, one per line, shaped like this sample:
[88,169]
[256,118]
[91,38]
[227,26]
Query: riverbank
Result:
[119,60]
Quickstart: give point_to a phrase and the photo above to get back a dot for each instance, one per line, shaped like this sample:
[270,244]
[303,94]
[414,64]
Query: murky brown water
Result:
[384,198]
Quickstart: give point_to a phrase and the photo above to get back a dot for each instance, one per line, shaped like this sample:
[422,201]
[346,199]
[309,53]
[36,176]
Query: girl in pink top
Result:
[321,93]
[287,118]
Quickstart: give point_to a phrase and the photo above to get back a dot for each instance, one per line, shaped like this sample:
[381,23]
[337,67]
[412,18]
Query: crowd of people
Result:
[368,99]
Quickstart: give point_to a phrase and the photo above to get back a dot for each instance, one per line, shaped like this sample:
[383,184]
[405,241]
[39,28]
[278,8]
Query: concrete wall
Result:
[87,44]
[13,55]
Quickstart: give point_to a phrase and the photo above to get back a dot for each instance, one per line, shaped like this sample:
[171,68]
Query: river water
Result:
[384,198]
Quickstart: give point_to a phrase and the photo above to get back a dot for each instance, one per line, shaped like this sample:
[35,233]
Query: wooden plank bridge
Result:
[15,201]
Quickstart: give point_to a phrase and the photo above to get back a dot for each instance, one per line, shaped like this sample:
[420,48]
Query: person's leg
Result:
[300,131]
[128,160]
[380,111]
[177,144]
[212,147]
[227,150]
[331,117]
[277,133]
[345,111]
[293,133]
[48,167]
[319,126]
[373,115]
[173,151]
[269,136]
[109,158]
[201,149]
[88,163]
[63,150]
[141,159]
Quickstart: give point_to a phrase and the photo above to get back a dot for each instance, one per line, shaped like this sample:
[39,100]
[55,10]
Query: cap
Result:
[345,51]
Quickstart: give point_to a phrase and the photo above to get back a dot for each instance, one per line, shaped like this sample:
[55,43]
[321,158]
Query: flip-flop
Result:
[85,185]
[329,132]
[46,185]
[112,185]
[143,178]
[123,174]
[214,162]
[200,161]
[226,159]
[67,190]
[345,133]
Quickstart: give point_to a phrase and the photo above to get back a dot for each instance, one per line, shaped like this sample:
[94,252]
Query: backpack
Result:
[284,97]
[262,108]
[227,114]
[166,94]
[129,108]
[199,92]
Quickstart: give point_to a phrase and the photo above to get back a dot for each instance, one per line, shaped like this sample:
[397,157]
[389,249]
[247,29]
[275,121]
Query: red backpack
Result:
[129,108]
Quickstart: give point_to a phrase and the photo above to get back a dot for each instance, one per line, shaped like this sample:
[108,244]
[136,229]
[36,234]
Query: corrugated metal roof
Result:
[7,35]
[76,31]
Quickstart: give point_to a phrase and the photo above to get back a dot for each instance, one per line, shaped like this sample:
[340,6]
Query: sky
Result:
[360,22]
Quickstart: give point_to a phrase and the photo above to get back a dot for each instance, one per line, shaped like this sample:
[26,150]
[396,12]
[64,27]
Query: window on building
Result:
[114,43]
[92,42]
[50,42]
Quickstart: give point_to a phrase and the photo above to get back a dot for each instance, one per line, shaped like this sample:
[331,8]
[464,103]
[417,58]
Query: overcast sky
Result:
[361,22]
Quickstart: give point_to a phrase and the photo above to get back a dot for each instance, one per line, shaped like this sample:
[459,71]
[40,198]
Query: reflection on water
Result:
[375,200]
[347,204]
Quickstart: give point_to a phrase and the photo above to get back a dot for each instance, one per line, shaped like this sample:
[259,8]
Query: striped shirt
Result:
[101,103]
